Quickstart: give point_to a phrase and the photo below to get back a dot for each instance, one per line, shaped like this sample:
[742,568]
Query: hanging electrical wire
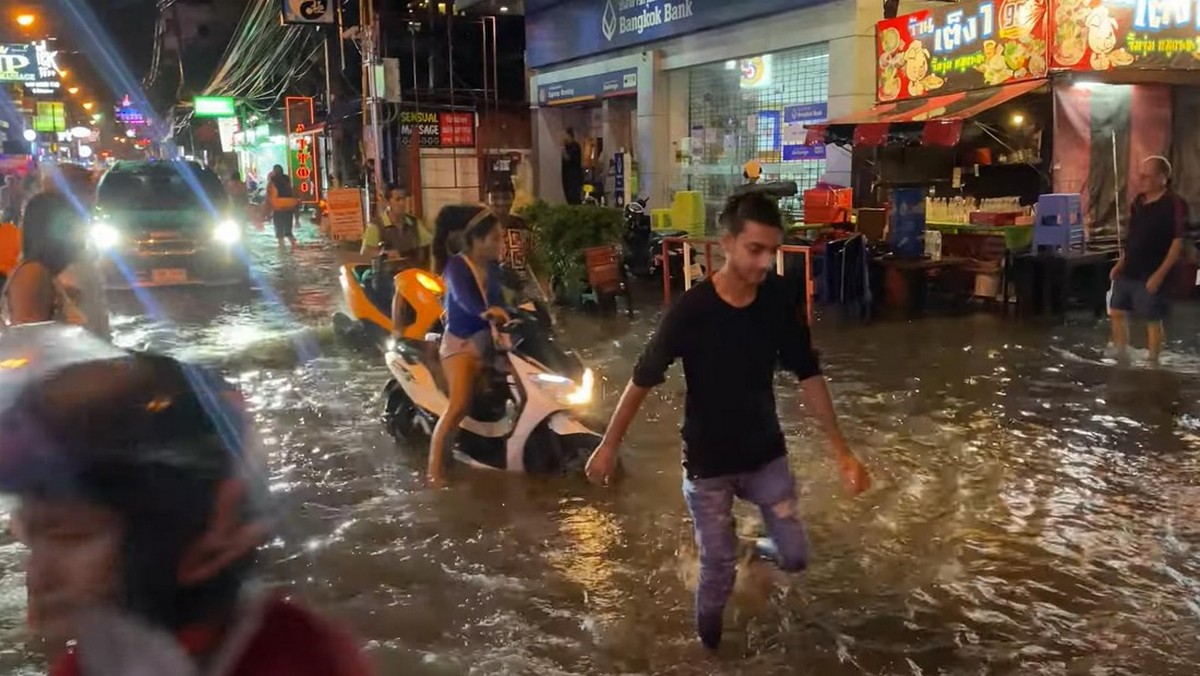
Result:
[264,58]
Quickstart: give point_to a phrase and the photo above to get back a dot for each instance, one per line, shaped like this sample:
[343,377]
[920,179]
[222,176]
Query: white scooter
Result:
[524,414]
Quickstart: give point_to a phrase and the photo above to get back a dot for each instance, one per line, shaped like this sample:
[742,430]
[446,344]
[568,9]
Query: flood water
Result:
[1034,511]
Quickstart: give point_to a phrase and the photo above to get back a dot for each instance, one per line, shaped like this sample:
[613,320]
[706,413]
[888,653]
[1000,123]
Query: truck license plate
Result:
[169,276]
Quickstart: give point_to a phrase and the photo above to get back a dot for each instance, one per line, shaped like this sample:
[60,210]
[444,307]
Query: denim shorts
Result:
[1131,296]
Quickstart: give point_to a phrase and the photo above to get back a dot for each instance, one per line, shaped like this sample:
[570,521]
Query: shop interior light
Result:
[25,20]
[504,8]
[1018,119]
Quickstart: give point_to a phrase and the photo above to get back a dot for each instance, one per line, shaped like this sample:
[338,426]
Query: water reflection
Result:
[1035,509]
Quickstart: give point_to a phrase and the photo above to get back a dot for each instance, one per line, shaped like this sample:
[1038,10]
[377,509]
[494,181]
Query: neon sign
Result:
[962,30]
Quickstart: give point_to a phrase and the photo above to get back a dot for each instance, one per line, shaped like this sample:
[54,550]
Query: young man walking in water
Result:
[731,332]
[1152,247]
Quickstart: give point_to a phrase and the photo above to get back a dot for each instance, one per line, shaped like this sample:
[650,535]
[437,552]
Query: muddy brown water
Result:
[1034,510]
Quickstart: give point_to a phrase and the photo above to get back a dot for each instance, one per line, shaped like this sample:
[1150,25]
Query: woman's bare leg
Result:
[461,371]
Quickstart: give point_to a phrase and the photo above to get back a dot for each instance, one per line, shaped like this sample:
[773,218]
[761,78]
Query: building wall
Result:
[848,26]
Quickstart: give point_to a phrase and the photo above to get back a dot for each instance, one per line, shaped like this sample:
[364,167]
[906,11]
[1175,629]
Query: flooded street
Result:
[1034,511]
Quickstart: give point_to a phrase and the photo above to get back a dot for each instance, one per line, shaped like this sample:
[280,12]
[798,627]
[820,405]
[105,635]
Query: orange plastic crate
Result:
[828,205]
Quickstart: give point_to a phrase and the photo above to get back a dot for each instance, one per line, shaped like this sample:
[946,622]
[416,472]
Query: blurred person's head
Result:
[501,202]
[135,491]
[453,225]
[753,233]
[395,198]
[12,180]
[1155,174]
[483,237]
[53,231]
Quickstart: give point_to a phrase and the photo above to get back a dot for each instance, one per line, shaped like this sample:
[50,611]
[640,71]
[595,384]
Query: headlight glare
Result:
[104,236]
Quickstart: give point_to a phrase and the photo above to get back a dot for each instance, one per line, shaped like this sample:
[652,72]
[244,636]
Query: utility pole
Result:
[371,135]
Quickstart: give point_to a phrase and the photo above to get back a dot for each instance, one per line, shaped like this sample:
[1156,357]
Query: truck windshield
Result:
[161,188]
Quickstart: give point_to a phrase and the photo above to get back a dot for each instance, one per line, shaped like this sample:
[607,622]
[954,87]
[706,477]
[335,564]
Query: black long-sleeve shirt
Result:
[730,356]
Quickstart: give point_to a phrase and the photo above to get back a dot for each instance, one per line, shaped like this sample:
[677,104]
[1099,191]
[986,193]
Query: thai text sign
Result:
[345,213]
[438,129]
[968,45]
[1106,34]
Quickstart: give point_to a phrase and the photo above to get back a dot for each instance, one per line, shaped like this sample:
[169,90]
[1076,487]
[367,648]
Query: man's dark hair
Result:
[750,207]
[571,132]
[394,187]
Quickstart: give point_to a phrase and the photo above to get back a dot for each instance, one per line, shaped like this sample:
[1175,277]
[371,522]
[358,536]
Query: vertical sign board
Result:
[345,214]
[302,156]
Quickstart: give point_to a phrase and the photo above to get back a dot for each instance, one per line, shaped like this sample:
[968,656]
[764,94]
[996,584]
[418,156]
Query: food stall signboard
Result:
[964,46]
[1098,35]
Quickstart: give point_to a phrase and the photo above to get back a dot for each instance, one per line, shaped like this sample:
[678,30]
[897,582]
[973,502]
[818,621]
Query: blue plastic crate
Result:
[1058,224]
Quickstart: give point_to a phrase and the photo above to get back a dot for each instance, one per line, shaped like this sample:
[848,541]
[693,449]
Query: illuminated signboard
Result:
[1132,34]
[438,129]
[302,156]
[18,63]
[214,106]
[967,45]
[47,81]
[50,117]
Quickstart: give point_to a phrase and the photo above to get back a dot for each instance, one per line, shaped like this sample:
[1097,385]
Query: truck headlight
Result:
[228,232]
[104,236]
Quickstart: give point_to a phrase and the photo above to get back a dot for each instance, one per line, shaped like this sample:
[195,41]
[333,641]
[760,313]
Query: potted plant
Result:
[561,233]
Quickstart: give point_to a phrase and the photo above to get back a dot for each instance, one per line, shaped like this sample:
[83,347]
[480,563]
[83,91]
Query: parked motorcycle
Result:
[644,246]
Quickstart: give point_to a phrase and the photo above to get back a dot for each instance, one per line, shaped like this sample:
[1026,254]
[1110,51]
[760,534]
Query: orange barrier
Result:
[708,244]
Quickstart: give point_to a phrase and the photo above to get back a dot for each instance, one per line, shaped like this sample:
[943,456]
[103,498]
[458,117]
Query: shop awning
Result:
[936,120]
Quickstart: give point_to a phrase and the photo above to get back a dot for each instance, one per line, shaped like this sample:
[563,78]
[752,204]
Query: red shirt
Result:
[289,640]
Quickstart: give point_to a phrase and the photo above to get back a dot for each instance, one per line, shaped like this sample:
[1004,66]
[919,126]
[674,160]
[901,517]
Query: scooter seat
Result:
[426,353]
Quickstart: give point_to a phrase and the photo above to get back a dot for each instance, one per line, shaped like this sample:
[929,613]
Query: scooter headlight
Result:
[227,232]
[104,236]
[566,390]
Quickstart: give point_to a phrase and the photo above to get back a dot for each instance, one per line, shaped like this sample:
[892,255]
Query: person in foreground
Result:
[474,298]
[141,503]
[731,331]
[1153,246]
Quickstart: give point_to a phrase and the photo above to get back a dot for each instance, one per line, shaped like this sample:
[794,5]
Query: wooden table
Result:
[1046,282]
[905,279]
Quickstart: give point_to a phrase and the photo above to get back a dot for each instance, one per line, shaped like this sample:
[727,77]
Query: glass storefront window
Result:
[746,109]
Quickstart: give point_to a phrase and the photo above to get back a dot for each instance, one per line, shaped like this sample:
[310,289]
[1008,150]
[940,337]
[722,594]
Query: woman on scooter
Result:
[473,300]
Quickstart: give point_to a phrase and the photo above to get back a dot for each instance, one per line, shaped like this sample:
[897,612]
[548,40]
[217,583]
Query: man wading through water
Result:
[1152,247]
[731,332]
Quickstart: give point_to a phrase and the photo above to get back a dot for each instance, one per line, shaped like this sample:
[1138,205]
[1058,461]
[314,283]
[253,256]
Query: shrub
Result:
[561,233]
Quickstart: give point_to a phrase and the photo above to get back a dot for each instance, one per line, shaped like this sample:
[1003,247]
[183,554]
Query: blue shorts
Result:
[1131,296]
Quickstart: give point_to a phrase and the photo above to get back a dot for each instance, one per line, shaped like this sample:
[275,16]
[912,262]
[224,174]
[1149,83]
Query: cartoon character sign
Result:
[1102,40]
[916,69]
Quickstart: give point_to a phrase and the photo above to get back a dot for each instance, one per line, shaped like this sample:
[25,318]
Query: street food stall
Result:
[988,106]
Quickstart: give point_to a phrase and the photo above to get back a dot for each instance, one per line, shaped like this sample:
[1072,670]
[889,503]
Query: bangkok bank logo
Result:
[608,23]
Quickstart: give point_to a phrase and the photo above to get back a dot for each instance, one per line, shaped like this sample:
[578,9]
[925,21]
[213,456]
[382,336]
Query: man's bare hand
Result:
[602,466]
[854,473]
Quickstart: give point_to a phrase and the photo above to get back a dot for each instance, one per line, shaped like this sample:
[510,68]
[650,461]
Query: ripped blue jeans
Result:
[772,488]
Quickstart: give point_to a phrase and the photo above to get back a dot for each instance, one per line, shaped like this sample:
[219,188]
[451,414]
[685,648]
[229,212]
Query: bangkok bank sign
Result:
[18,63]
[635,16]
[562,30]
